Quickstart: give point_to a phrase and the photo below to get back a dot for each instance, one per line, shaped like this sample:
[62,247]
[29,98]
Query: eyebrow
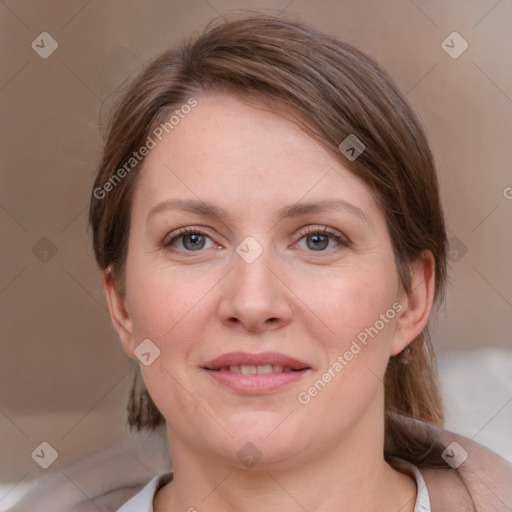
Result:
[294,210]
[298,209]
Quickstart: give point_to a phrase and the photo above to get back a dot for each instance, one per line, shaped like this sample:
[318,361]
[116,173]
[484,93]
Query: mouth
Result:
[255,364]
[264,369]
[256,373]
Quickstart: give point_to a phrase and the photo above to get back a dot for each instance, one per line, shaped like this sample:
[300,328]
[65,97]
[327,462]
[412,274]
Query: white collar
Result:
[143,500]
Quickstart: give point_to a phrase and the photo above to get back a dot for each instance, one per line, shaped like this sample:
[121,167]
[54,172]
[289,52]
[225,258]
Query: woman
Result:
[268,223]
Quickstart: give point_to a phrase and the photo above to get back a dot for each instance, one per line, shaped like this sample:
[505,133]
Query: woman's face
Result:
[286,253]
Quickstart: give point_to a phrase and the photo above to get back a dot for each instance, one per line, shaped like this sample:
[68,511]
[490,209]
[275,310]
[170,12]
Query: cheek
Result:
[172,310]
[360,310]
[162,302]
[352,302]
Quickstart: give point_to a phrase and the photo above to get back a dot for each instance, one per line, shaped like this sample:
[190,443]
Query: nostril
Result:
[253,324]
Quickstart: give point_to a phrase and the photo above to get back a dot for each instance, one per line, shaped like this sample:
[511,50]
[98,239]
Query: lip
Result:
[263,358]
[258,383]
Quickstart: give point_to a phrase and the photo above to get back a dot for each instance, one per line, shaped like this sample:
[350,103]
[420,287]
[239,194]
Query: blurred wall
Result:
[63,375]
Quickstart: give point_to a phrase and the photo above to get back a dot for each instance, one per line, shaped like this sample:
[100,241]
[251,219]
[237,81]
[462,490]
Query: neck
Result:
[349,475]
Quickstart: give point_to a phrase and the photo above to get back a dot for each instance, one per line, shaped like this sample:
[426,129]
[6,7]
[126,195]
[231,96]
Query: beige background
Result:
[63,375]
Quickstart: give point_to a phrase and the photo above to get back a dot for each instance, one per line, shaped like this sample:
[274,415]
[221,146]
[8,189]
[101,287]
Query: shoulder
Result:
[145,499]
[475,479]
[447,490]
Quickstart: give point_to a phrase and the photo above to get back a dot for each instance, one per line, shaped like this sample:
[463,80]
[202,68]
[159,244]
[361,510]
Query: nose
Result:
[254,299]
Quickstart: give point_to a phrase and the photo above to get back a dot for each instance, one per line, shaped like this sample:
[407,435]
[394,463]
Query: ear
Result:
[119,313]
[417,304]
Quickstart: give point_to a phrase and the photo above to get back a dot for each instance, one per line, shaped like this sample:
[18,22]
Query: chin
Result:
[263,438]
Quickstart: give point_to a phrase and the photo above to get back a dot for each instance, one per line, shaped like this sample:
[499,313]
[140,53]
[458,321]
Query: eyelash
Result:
[167,242]
[339,239]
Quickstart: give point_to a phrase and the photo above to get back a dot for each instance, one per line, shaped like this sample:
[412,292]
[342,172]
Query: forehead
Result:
[228,150]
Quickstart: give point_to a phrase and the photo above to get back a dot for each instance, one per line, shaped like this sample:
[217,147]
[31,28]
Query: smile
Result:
[256,380]
[246,369]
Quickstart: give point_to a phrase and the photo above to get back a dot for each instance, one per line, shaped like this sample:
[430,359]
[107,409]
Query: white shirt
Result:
[143,501]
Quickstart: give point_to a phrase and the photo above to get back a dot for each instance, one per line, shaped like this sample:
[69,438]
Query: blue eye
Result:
[319,240]
[189,240]
[316,240]
[193,242]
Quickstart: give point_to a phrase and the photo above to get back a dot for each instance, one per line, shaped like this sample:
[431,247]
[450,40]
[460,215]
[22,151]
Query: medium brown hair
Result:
[333,90]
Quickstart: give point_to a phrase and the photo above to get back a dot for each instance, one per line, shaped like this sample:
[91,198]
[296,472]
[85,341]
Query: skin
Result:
[306,303]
